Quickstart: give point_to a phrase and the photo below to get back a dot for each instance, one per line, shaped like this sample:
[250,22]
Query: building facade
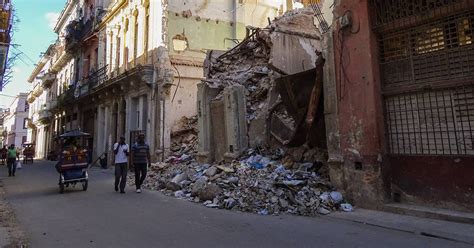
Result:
[128,66]
[399,102]
[15,122]
[42,100]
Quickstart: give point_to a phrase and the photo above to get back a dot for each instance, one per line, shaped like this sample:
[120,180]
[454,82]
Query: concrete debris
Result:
[211,171]
[271,188]
[278,67]
[183,139]
[268,179]
[265,56]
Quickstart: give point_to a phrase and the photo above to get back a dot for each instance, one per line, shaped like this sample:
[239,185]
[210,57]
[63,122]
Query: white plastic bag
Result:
[18,165]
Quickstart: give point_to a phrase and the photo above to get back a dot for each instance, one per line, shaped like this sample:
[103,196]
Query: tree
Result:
[13,55]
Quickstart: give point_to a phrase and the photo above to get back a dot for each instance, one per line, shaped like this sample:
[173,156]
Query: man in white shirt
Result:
[121,161]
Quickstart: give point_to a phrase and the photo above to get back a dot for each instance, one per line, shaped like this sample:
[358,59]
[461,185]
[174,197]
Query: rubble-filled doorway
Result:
[427,72]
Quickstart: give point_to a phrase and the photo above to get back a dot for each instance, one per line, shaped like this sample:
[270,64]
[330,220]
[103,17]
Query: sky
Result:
[34,33]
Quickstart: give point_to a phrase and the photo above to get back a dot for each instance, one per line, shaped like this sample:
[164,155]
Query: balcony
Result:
[65,99]
[44,116]
[48,79]
[77,31]
[94,79]
[31,98]
[37,91]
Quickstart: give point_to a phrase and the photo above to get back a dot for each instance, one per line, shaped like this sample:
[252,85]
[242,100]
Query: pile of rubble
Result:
[255,64]
[279,179]
[262,182]
[184,138]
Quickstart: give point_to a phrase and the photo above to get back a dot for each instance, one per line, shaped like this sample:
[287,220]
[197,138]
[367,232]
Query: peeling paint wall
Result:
[356,145]
[216,24]
[203,25]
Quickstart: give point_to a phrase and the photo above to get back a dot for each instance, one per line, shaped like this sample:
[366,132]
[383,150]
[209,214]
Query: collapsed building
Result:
[265,92]
[261,136]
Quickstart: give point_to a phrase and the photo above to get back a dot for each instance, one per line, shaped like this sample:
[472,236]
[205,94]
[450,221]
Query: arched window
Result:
[135,38]
[146,30]
[125,47]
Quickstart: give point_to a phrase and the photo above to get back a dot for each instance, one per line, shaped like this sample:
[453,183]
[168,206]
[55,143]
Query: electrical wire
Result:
[5,95]
[23,54]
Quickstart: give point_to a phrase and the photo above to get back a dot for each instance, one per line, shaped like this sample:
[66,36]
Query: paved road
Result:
[101,217]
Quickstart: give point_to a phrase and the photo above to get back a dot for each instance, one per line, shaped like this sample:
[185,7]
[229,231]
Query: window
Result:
[111,54]
[27,106]
[25,123]
[135,39]
[96,59]
[23,139]
[147,27]
[117,55]
[125,48]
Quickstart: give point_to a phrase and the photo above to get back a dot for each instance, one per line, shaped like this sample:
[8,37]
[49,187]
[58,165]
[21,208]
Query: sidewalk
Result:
[453,231]
[11,235]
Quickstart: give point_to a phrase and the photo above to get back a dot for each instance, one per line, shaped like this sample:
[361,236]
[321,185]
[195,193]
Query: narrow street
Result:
[102,218]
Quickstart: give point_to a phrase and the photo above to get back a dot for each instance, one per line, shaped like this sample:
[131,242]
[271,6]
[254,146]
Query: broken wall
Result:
[288,46]
[192,28]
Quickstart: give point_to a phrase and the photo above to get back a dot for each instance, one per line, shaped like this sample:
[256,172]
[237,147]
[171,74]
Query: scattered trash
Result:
[179,194]
[336,197]
[346,207]
[272,189]
[263,212]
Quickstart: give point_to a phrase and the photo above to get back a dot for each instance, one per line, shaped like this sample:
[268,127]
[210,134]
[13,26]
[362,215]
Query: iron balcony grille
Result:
[441,51]
[431,122]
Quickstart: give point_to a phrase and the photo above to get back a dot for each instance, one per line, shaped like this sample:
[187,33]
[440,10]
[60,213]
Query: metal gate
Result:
[427,72]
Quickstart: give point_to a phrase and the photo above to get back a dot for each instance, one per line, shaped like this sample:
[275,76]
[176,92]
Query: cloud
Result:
[52,18]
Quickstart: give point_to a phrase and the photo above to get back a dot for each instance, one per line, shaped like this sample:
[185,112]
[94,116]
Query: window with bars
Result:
[431,122]
[441,50]
[389,11]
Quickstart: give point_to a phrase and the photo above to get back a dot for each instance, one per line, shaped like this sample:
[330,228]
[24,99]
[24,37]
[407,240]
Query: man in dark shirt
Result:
[140,159]
[11,160]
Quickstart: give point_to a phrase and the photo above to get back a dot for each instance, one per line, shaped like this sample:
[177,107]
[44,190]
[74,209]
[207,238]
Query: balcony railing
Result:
[77,31]
[97,77]
[94,79]
[48,79]
[66,98]
[44,115]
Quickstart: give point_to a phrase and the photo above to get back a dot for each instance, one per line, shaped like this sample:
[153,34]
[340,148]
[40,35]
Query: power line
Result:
[24,54]
[5,95]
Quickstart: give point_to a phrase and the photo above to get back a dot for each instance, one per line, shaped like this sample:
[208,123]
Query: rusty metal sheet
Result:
[295,91]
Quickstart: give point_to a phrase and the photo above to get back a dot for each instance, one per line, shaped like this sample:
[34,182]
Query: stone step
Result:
[430,212]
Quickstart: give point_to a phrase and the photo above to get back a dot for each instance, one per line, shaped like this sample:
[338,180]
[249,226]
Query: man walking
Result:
[121,160]
[140,159]
[11,160]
